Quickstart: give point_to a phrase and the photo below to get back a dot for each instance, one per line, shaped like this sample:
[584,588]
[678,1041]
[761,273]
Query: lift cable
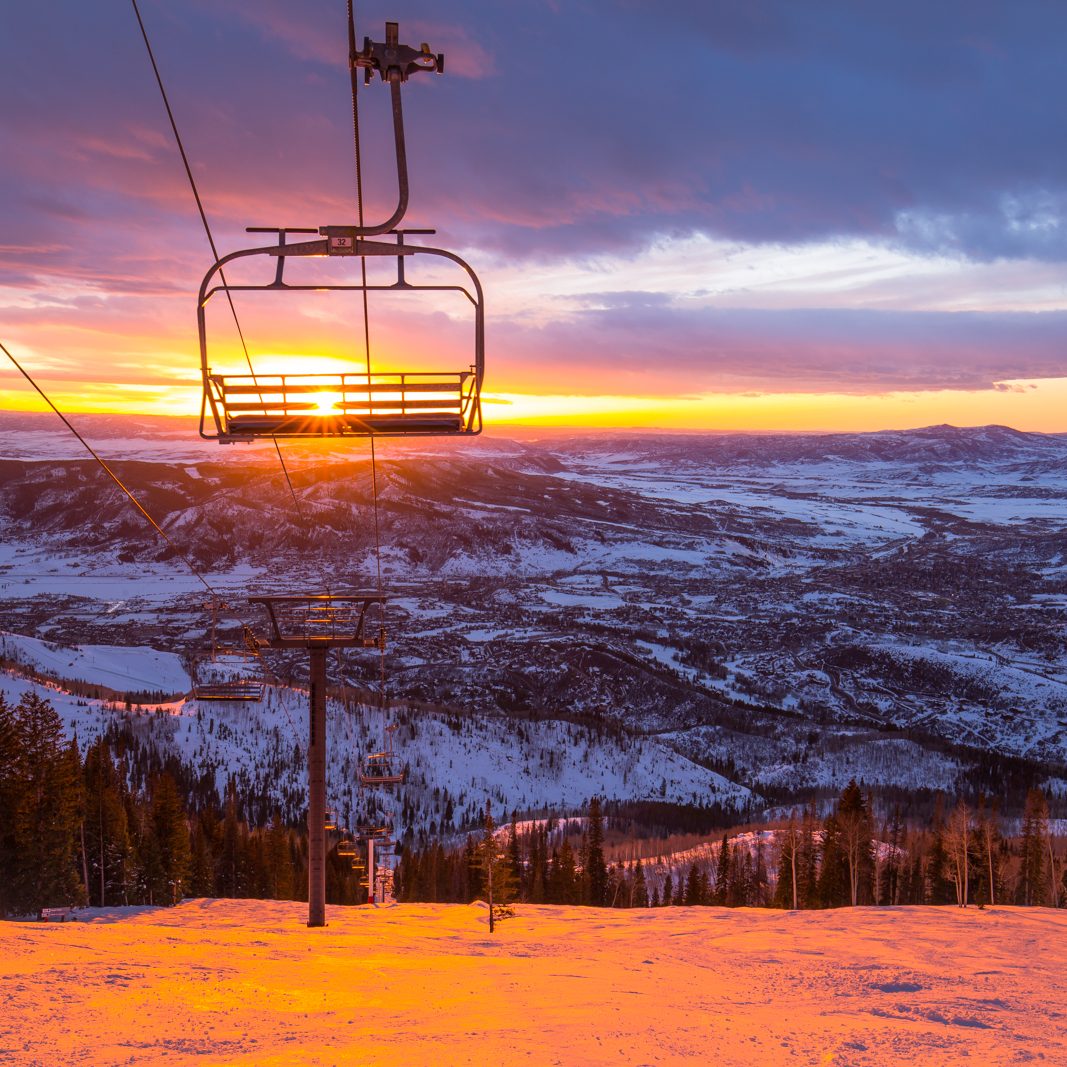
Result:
[366,340]
[111,474]
[207,231]
[144,512]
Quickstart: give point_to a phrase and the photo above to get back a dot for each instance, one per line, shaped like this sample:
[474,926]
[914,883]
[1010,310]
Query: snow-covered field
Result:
[124,669]
[228,982]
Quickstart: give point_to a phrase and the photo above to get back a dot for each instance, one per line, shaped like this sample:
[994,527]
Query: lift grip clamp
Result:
[393,57]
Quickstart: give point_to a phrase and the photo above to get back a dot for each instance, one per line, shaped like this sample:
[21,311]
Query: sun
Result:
[327,403]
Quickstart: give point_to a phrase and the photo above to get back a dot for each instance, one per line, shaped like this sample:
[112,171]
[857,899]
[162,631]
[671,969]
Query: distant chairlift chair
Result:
[383,768]
[229,672]
[247,407]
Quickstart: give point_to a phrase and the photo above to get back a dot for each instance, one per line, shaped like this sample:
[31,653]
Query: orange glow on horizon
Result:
[1039,405]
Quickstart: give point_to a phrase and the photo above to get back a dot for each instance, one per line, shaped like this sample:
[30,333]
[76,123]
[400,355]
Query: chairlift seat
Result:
[340,405]
[379,770]
[244,407]
[235,690]
[230,674]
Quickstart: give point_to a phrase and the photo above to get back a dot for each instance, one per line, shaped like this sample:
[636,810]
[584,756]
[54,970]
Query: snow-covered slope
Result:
[455,764]
[800,608]
[246,982]
[134,670]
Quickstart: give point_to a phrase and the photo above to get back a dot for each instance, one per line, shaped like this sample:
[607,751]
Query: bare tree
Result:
[1055,868]
[987,828]
[957,849]
[790,845]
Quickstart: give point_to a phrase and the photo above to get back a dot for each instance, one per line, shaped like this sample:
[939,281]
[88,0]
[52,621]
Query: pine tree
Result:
[280,862]
[889,888]
[595,874]
[202,874]
[497,880]
[723,874]
[229,860]
[10,793]
[939,888]
[638,888]
[514,859]
[564,877]
[692,887]
[469,874]
[1032,872]
[538,891]
[105,828]
[172,836]
[46,822]
[808,859]
[833,889]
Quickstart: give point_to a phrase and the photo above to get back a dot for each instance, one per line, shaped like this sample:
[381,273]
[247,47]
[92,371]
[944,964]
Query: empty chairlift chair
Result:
[228,671]
[230,674]
[383,768]
[367,401]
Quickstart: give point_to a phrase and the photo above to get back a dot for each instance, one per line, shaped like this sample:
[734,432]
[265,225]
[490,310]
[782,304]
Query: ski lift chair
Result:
[228,671]
[374,830]
[361,403]
[230,674]
[330,821]
[380,769]
[346,848]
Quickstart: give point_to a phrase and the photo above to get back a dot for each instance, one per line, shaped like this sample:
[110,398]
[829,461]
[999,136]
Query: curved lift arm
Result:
[394,62]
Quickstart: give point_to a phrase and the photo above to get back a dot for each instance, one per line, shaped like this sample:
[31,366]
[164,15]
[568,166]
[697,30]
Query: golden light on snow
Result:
[230,981]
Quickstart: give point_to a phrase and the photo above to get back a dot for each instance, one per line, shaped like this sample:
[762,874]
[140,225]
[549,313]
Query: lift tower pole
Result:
[319,623]
[317,790]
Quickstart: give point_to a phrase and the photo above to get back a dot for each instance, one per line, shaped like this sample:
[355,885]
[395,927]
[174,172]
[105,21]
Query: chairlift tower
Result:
[318,624]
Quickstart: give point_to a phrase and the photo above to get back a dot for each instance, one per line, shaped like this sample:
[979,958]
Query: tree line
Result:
[111,828]
[102,831]
[846,858]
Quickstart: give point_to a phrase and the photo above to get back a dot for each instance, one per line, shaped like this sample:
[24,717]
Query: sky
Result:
[716,214]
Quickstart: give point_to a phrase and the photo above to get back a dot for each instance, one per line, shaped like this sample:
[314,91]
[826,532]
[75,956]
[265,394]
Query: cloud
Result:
[563,137]
[666,351]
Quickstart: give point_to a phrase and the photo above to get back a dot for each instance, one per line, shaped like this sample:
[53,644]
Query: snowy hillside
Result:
[123,669]
[454,763]
[789,610]
[245,981]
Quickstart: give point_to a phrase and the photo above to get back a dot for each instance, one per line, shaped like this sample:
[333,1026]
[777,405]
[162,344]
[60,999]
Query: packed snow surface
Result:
[125,669]
[228,982]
